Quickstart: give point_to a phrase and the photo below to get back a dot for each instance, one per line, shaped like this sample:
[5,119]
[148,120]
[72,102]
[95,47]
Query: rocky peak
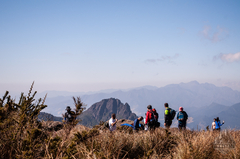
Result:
[101,111]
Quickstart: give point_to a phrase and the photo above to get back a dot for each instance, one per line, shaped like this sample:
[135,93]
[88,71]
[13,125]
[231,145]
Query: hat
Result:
[149,107]
[180,108]
[68,108]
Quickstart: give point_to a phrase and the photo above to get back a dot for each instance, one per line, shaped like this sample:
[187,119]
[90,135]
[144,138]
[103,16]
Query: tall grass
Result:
[22,136]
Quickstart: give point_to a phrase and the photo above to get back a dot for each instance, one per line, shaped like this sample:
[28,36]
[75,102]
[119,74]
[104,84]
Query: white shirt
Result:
[213,125]
[112,128]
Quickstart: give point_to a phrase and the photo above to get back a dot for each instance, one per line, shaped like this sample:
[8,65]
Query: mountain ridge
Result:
[189,95]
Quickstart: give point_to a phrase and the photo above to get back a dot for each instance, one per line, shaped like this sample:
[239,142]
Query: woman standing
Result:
[218,124]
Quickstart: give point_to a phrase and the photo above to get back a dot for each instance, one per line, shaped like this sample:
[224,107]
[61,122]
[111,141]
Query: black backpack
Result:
[70,116]
[172,113]
[152,119]
[106,124]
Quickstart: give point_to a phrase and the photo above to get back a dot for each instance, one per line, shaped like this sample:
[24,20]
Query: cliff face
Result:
[102,111]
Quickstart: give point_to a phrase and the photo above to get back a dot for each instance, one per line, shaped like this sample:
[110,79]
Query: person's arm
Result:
[114,122]
[220,124]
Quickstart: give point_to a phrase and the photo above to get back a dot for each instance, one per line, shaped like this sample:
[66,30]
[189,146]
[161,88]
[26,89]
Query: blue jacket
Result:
[136,124]
[218,124]
[182,115]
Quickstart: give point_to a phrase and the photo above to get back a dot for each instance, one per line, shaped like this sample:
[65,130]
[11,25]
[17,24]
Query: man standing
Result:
[112,122]
[167,116]
[69,115]
[150,121]
[182,118]
[136,123]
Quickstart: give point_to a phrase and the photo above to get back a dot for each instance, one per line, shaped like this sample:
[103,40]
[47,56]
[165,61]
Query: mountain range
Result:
[204,116]
[191,96]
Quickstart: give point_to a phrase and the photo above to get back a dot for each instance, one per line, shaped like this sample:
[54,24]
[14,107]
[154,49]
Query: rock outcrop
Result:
[102,111]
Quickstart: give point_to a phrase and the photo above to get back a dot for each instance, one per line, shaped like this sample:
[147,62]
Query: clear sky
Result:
[88,45]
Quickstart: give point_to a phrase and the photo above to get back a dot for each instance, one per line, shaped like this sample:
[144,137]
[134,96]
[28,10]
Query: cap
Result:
[180,108]
[149,107]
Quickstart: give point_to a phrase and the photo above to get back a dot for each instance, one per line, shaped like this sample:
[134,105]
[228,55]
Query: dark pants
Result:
[182,125]
[151,125]
[168,123]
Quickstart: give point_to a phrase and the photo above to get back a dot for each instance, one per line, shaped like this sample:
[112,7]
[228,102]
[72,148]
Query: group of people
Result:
[169,115]
[151,119]
[216,124]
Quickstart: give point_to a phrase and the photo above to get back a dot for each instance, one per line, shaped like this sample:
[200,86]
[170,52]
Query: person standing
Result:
[182,118]
[69,115]
[218,124]
[136,123]
[112,122]
[213,124]
[150,121]
[167,116]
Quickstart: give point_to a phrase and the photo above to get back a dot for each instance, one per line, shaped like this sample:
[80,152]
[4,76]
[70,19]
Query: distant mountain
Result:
[204,116]
[48,117]
[102,111]
[191,96]
[230,116]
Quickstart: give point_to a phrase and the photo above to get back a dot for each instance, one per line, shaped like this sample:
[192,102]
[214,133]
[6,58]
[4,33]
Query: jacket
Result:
[218,124]
[148,116]
[182,115]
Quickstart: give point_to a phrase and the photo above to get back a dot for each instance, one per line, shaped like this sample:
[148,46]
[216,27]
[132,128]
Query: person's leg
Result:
[184,126]
[179,126]
[168,124]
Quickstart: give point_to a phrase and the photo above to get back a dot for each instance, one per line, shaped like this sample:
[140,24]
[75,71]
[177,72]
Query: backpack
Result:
[152,118]
[106,124]
[172,113]
[70,116]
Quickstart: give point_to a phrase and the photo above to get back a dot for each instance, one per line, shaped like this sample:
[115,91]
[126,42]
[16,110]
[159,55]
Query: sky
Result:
[93,45]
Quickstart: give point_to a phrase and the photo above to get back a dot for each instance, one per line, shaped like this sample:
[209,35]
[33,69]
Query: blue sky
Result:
[93,45]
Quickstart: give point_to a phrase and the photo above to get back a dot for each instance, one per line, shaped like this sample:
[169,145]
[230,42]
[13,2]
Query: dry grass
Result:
[157,144]
[23,137]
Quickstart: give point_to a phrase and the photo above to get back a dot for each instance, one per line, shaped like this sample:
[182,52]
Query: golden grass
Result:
[157,144]
[22,136]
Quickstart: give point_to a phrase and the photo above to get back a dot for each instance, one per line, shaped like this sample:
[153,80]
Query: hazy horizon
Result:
[27,87]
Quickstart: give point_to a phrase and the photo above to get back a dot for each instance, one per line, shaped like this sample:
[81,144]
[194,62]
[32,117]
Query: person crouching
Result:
[136,125]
